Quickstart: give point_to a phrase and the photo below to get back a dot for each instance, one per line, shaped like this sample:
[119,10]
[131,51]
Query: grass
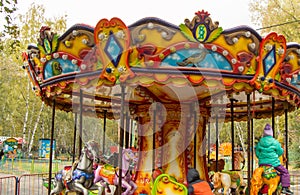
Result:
[30,166]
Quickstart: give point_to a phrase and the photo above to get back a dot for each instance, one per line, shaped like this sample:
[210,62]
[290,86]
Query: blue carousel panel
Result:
[201,58]
[295,81]
[113,49]
[59,66]
[269,61]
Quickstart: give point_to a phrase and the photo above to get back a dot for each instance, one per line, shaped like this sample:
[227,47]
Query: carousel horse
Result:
[213,165]
[108,175]
[232,179]
[221,181]
[238,159]
[79,178]
[264,175]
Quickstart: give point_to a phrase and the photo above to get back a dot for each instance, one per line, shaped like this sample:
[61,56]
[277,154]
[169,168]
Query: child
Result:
[268,150]
[196,186]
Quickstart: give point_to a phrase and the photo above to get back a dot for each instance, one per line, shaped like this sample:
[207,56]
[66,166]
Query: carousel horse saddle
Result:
[269,172]
[108,171]
[79,173]
[235,176]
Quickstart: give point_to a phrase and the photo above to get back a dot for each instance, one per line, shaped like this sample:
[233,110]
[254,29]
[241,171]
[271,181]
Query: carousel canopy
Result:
[155,61]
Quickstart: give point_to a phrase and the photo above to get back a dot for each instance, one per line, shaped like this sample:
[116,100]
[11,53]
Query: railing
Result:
[8,185]
[295,182]
[32,184]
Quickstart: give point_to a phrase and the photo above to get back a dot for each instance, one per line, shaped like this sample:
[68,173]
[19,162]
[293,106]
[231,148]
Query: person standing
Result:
[268,150]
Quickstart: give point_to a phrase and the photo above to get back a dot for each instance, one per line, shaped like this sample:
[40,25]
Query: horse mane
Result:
[238,157]
[213,165]
[126,150]
[217,180]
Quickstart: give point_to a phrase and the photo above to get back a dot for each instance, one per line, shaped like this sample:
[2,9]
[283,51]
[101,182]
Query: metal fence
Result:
[27,184]
[8,185]
[295,182]
[33,184]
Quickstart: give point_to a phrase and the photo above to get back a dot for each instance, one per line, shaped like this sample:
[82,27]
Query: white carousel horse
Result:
[80,178]
[107,175]
[230,180]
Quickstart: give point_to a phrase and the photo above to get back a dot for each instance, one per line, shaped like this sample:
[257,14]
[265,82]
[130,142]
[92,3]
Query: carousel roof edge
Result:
[154,20]
[115,53]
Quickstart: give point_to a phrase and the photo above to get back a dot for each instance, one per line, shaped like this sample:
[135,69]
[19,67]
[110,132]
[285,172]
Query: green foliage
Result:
[281,16]
[11,30]
[15,94]
[17,100]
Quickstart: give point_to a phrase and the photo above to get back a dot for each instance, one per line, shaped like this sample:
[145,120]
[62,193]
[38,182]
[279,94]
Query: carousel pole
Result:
[131,133]
[273,116]
[217,141]
[195,137]
[208,142]
[252,146]
[232,132]
[127,118]
[51,146]
[121,141]
[74,138]
[286,126]
[80,122]
[104,130]
[248,140]
[153,138]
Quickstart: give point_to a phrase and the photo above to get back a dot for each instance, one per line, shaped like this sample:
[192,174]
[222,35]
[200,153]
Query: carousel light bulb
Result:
[43,60]
[75,32]
[101,36]
[248,34]
[164,34]
[235,40]
[83,66]
[74,61]
[225,53]
[55,55]
[65,57]
[150,25]
[84,41]
[252,45]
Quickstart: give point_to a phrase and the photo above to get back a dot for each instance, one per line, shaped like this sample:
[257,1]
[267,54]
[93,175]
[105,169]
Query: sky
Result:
[229,13]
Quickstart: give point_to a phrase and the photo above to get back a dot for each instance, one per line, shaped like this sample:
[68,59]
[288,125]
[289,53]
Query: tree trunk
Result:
[35,127]
[26,116]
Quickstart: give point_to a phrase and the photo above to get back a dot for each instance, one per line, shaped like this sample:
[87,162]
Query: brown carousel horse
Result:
[238,159]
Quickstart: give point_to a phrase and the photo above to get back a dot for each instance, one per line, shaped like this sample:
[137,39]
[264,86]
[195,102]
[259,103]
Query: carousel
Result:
[173,81]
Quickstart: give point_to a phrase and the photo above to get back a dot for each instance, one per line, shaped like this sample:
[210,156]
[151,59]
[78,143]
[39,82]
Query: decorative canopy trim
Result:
[152,53]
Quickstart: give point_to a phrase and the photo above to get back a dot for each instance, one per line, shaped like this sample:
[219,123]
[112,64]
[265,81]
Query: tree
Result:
[281,16]
[22,112]
[20,107]
[7,10]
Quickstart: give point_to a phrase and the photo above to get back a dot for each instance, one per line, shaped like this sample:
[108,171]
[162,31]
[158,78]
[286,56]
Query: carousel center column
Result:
[166,142]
